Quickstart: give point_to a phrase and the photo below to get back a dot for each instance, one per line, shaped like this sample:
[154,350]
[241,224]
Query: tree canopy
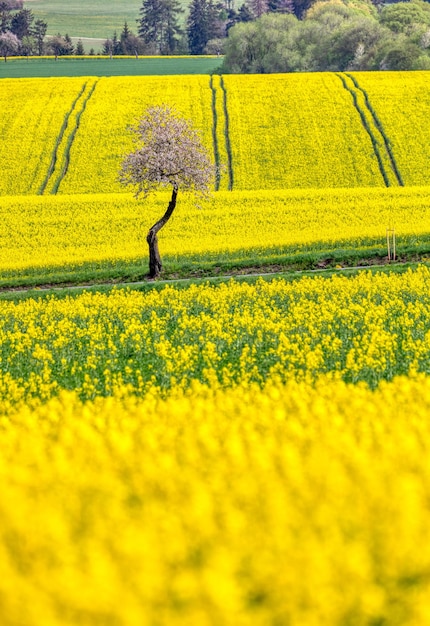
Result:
[169,153]
[333,36]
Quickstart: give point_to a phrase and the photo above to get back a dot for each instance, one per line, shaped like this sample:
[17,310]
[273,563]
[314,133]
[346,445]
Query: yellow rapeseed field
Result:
[230,454]
[284,505]
[31,116]
[401,101]
[368,328]
[298,130]
[70,230]
[272,131]
[117,102]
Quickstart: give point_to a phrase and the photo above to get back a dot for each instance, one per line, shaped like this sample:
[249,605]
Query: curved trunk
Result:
[155,264]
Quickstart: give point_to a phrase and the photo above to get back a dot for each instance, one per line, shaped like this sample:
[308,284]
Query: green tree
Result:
[129,43]
[260,45]
[354,45]
[5,17]
[204,23]
[401,54]
[159,25]
[39,32]
[27,45]
[21,23]
[60,45]
[405,17]
[79,49]
[112,47]
[244,13]
[332,36]
[69,47]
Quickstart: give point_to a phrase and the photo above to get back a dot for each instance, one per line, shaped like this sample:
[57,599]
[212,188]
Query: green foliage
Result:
[406,17]
[333,36]
[203,24]
[159,26]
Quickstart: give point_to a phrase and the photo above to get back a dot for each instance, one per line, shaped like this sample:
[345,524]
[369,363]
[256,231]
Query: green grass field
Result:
[93,22]
[148,66]
[96,19]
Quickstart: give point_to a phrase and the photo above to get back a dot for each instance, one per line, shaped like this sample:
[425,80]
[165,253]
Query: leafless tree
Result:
[169,153]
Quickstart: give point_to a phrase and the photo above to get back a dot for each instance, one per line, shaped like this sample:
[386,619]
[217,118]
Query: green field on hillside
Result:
[96,19]
[103,66]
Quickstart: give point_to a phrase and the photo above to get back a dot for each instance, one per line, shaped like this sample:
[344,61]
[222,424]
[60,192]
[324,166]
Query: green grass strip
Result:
[101,66]
[322,256]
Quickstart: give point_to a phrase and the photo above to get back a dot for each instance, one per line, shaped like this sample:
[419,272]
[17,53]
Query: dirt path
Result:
[278,273]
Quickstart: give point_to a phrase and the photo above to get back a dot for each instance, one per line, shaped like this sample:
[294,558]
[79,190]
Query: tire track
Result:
[372,131]
[214,134]
[227,137]
[56,150]
[380,127]
[71,137]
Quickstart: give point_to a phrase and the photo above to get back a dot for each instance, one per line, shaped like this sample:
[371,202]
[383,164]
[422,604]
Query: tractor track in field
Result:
[61,136]
[372,125]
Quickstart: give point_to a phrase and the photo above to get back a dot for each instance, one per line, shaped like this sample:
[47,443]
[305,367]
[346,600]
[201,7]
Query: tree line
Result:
[285,35]
[334,36]
[21,34]
[162,28]
[254,36]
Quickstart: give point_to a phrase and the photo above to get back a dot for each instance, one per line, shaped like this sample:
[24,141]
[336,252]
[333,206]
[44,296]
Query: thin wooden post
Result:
[391,244]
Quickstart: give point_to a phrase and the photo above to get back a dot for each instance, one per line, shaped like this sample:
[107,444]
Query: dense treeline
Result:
[286,35]
[334,36]
[22,34]
[257,36]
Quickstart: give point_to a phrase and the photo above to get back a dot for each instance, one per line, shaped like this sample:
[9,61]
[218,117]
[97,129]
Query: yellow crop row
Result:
[284,131]
[69,230]
[401,100]
[300,130]
[367,328]
[32,113]
[103,138]
[289,505]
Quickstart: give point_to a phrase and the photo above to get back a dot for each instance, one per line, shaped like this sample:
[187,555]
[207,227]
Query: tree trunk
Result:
[155,264]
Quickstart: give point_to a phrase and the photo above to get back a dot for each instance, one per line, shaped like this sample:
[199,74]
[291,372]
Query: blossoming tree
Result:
[169,154]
